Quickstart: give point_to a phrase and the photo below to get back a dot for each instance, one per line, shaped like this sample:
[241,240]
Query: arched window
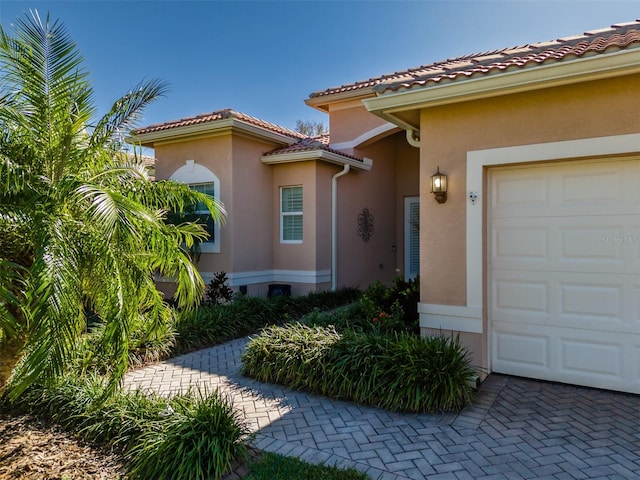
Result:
[203,180]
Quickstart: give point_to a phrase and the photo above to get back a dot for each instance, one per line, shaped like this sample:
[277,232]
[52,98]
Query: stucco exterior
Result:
[252,167]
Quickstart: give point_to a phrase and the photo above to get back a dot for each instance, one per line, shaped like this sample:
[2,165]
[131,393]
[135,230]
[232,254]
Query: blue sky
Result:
[264,58]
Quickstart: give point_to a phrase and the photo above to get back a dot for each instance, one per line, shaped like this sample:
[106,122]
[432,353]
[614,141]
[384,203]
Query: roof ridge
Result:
[217,115]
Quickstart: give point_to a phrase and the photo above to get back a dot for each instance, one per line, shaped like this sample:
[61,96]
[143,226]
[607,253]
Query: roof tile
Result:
[216,116]
[311,144]
[618,36]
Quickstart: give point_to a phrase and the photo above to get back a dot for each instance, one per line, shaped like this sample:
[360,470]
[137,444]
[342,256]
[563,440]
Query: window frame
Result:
[193,173]
[284,214]
[208,245]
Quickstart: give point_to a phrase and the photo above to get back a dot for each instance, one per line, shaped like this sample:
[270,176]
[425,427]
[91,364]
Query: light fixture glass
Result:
[439,186]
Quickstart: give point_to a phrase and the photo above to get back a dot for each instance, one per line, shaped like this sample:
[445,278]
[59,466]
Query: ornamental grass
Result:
[397,372]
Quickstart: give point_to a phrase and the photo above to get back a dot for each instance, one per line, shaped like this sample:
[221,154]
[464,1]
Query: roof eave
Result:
[395,106]
[322,102]
[215,127]
[323,155]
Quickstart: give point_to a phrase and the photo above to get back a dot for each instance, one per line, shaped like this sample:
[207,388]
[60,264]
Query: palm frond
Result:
[125,112]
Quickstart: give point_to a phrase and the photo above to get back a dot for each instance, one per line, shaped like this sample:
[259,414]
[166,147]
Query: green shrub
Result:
[208,325]
[399,302]
[277,467]
[400,372]
[196,440]
[347,317]
[193,436]
[218,291]
[214,324]
[144,347]
[291,355]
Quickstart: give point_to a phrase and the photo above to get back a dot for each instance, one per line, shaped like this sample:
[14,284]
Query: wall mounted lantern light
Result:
[439,186]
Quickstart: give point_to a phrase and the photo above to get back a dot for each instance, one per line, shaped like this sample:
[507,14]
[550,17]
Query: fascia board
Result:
[212,128]
[325,100]
[322,155]
[534,78]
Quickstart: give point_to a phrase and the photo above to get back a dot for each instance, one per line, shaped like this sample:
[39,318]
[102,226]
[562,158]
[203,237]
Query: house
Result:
[532,255]
[299,211]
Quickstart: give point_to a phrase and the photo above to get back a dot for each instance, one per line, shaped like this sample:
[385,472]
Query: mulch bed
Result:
[33,450]
[30,450]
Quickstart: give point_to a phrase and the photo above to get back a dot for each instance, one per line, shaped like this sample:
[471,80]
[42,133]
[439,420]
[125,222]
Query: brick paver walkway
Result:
[516,428]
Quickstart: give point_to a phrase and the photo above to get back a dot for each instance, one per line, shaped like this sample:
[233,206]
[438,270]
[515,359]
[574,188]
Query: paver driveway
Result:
[515,429]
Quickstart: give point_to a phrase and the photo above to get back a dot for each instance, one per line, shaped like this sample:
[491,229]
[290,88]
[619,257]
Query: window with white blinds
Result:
[291,214]
[202,213]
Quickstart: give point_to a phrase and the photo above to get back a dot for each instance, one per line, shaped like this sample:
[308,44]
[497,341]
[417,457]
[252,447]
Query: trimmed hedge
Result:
[400,372]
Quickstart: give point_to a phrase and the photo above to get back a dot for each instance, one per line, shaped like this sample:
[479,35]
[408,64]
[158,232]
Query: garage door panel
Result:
[597,189]
[595,301]
[590,358]
[529,297]
[526,191]
[565,243]
[526,243]
[566,355]
[564,263]
[601,185]
[517,349]
[524,297]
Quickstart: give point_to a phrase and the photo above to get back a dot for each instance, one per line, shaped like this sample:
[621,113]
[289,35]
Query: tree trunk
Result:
[11,351]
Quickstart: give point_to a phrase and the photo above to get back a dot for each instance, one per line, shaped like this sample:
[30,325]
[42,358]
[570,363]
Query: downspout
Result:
[334,226]
[413,137]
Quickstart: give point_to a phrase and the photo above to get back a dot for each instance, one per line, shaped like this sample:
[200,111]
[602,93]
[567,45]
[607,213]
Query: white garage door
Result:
[564,272]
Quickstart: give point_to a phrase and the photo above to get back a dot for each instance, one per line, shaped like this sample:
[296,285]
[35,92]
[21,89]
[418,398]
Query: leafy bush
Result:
[147,343]
[218,291]
[209,325]
[400,302]
[292,355]
[191,436]
[214,324]
[400,372]
[196,440]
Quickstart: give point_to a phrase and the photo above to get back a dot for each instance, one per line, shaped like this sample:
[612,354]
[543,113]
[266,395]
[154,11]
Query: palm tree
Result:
[82,225]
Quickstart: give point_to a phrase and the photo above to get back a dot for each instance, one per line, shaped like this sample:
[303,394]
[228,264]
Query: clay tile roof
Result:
[311,144]
[219,115]
[616,37]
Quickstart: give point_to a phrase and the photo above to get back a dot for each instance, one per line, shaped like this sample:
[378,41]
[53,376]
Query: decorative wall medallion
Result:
[365,225]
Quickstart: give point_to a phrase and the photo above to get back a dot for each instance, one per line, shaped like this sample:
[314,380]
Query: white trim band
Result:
[271,276]
[450,317]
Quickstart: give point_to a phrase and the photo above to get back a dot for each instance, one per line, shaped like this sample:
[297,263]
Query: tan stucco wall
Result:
[593,109]
[324,173]
[295,256]
[245,190]
[346,124]
[361,262]
[394,175]
[252,210]
[215,154]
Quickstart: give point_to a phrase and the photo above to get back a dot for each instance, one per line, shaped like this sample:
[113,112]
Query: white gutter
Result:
[334,226]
